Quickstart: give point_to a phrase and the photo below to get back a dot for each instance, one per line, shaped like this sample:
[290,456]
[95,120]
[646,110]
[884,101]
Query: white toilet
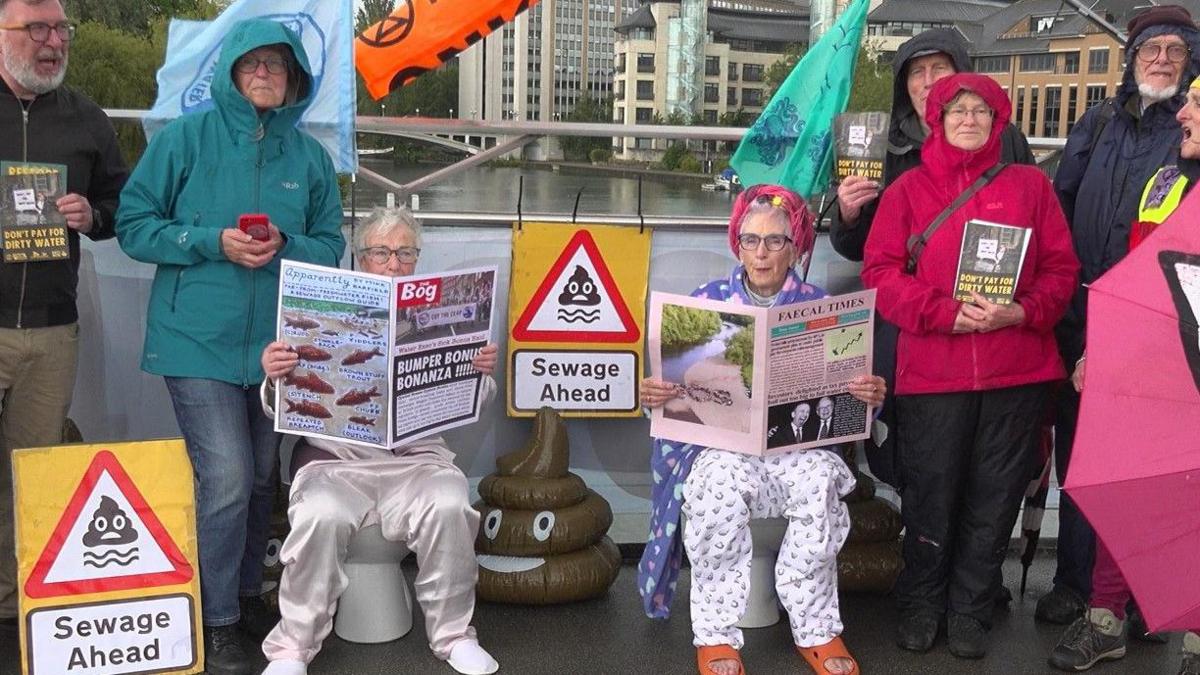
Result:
[376,606]
[762,609]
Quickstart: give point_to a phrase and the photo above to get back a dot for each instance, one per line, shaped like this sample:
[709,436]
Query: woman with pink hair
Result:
[770,231]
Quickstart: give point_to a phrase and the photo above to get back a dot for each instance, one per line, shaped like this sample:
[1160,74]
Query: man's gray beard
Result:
[1154,95]
[25,74]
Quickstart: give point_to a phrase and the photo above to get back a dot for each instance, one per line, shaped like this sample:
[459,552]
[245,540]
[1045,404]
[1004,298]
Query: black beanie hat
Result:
[1163,15]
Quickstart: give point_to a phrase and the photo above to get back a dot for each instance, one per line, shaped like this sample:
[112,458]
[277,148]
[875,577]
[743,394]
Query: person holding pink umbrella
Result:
[1099,634]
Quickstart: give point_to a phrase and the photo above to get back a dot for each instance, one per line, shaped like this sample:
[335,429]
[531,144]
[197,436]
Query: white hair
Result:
[382,222]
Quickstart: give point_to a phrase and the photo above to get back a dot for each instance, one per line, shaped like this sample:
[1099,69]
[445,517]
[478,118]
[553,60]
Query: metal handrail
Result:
[464,127]
[520,132]
[493,219]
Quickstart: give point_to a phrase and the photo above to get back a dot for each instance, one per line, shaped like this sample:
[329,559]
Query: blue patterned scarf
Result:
[671,461]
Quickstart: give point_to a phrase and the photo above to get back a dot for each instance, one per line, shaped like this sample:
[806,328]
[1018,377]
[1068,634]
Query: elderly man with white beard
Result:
[1110,155]
[43,122]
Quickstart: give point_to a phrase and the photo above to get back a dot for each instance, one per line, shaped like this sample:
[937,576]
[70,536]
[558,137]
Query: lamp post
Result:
[452,113]
[418,112]
[383,110]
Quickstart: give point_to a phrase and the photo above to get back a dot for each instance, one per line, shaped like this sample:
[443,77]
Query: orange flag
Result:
[420,35]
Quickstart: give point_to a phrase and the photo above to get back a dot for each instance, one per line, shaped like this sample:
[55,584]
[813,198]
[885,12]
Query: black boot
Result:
[966,637]
[257,619]
[917,630]
[1061,605]
[223,652]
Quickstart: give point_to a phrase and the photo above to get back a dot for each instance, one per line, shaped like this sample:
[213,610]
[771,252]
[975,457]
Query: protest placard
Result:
[33,229]
[383,361]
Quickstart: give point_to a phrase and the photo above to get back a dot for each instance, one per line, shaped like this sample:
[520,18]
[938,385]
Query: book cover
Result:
[861,144]
[990,261]
[33,228]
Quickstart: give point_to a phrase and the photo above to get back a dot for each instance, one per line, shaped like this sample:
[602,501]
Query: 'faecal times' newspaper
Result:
[759,380]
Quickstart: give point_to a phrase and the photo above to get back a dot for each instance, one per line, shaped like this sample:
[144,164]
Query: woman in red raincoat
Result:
[971,377]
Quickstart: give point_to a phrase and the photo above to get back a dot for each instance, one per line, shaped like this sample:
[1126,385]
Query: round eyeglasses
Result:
[380,255]
[774,242]
[249,64]
[1148,53]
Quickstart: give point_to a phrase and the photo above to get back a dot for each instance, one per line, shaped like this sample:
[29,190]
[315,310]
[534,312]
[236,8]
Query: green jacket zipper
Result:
[257,206]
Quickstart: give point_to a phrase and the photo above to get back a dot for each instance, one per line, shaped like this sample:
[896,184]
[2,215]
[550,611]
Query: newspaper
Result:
[760,380]
[861,144]
[383,361]
[33,228]
[990,261]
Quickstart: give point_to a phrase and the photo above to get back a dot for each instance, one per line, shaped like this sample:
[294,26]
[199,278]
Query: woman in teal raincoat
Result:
[212,303]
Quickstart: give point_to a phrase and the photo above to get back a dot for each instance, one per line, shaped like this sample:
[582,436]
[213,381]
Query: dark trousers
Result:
[966,459]
[1076,541]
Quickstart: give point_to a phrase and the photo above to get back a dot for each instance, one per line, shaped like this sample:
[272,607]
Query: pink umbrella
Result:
[1135,467]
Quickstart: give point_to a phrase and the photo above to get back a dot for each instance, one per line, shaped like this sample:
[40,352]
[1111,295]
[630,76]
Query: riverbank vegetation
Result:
[739,350]
[684,327]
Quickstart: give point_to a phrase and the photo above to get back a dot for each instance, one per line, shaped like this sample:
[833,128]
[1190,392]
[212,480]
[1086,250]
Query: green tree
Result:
[371,12]
[676,118]
[116,69]
[674,155]
[871,89]
[684,327]
[139,16]
[739,350]
[587,109]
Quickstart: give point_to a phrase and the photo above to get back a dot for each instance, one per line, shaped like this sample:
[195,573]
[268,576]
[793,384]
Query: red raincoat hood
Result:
[937,154]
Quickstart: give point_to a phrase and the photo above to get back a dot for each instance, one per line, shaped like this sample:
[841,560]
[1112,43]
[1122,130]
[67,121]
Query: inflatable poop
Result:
[542,535]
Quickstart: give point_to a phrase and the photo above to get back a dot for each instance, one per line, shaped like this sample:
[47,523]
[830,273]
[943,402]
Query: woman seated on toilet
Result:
[770,230]
[414,493]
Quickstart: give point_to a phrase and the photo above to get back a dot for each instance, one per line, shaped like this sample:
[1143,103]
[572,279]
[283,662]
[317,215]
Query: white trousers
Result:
[723,492]
[421,503]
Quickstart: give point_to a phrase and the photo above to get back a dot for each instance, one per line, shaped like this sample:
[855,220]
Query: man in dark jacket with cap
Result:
[1110,155]
[920,62]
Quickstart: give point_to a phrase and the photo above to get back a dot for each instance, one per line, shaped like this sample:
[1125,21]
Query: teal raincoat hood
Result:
[239,114]
[209,317]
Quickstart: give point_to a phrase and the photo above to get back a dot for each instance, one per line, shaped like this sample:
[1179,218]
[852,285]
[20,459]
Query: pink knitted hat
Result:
[799,217]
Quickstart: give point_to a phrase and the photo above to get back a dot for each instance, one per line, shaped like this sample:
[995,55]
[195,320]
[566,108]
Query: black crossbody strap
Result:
[916,243]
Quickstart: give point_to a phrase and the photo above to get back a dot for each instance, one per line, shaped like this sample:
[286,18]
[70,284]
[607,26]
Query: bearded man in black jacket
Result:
[42,121]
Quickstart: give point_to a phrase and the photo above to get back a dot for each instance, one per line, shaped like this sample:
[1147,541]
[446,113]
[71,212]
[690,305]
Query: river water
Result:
[494,189]
[676,364]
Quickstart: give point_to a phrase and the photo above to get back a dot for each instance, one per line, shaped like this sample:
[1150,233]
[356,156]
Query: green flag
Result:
[790,144]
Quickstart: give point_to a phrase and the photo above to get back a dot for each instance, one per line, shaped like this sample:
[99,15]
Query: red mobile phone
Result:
[255,225]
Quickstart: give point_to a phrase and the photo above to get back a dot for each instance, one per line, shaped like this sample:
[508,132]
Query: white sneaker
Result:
[286,667]
[468,658]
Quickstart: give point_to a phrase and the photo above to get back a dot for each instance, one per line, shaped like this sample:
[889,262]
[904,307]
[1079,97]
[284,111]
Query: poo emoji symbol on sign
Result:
[111,534]
[577,301]
[579,291]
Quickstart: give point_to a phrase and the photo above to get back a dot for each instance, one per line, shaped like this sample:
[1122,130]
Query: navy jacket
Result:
[1100,185]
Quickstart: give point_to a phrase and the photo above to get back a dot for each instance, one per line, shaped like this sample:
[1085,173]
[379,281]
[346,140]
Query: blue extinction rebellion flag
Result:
[326,29]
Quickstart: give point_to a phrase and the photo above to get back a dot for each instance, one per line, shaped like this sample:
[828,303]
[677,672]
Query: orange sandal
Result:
[834,649]
[706,655]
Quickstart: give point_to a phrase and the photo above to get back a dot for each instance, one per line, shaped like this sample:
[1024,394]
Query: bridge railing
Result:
[511,135]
